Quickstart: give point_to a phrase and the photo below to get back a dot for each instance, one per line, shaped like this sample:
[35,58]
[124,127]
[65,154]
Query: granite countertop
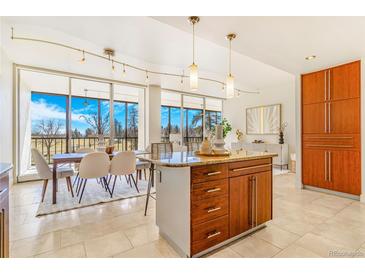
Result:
[5,167]
[184,159]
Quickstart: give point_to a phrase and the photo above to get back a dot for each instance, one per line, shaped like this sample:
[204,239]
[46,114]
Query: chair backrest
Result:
[44,172]
[193,146]
[94,165]
[123,163]
[85,150]
[158,148]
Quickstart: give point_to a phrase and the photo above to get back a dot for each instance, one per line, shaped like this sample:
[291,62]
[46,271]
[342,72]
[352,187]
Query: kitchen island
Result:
[204,202]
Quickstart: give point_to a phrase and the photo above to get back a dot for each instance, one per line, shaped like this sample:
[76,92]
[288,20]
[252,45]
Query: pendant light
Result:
[230,78]
[85,103]
[193,67]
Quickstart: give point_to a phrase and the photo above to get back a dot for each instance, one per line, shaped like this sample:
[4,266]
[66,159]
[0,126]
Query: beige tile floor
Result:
[305,224]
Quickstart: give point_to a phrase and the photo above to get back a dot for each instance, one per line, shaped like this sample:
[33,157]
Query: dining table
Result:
[71,158]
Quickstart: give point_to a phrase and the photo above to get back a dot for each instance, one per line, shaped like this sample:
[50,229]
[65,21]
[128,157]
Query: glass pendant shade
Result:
[193,77]
[230,87]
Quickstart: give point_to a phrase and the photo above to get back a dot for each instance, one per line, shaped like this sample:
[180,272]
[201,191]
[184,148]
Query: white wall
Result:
[235,112]
[52,57]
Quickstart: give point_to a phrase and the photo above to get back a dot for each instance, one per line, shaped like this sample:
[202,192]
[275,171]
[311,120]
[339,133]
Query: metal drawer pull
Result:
[329,166]
[3,190]
[213,234]
[329,117]
[214,173]
[212,209]
[325,85]
[325,117]
[325,165]
[251,167]
[213,190]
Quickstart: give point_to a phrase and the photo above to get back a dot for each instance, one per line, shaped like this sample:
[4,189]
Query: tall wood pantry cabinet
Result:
[331,129]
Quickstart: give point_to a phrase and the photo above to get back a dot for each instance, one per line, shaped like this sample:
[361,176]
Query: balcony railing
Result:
[186,139]
[49,146]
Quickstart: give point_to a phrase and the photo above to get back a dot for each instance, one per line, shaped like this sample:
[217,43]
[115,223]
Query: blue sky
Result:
[47,106]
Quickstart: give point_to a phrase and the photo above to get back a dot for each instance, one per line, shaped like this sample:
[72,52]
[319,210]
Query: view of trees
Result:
[89,117]
[192,121]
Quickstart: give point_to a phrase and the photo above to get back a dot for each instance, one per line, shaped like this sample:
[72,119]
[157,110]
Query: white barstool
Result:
[93,166]
[123,164]
[45,173]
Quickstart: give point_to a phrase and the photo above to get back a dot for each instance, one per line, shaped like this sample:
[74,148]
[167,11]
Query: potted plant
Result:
[227,128]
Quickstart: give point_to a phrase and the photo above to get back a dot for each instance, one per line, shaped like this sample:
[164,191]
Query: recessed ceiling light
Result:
[310,57]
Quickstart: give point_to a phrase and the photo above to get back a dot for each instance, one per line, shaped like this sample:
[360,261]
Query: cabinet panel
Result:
[200,174]
[209,234]
[314,118]
[314,168]
[209,189]
[344,116]
[240,204]
[345,171]
[313,87]
[4,224]
[345,81]
[208,209]
[263,197]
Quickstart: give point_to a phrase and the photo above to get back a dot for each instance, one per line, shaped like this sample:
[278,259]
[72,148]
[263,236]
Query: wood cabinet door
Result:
[314,87]
[4,224]
[344,116]
[314,118]
[314,169]
[344,81]
[345,171]
[240,202]
[263,197]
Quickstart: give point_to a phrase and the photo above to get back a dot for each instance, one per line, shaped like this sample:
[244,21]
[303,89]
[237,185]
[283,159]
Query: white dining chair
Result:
[77,165]
[124,164]
[93,166]
[45,173]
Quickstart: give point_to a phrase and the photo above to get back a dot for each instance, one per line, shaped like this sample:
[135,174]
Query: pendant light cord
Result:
[230,55]
[193,43]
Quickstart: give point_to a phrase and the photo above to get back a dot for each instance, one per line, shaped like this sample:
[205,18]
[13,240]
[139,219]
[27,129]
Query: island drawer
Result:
[249,167]
[209,234]
[209,189]
[208,209]
[206,173]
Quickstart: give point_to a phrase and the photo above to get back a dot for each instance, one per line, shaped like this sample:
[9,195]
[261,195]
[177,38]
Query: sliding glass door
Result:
[180,111]
[60,114]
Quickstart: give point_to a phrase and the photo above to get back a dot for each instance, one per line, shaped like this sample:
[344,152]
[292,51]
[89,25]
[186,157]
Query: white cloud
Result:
[40,110]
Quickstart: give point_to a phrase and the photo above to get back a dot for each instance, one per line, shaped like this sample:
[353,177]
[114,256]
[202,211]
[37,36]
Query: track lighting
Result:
[147,78]
[109,57]
[124,74]
[82,60]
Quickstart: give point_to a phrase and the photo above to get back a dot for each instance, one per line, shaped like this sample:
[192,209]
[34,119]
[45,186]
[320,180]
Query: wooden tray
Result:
[227,153]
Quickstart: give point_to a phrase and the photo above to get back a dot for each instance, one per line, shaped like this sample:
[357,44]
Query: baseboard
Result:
[362,198]
[332,192]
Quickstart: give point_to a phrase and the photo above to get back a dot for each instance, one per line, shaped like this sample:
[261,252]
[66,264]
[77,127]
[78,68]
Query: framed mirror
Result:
[263,120]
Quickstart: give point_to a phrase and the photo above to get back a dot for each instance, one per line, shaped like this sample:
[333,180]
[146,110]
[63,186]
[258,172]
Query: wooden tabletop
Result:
[70,157]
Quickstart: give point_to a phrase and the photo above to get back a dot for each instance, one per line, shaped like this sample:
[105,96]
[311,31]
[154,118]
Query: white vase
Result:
[206,147]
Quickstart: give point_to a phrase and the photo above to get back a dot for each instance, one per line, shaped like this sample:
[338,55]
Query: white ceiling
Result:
[152,41]
[284,42]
